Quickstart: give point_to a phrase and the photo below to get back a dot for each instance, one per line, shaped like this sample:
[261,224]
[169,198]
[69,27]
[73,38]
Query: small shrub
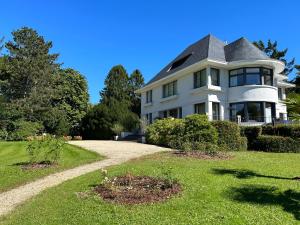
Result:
[46,150]
[269,143]
[243,143]
[117,129]
[229,136]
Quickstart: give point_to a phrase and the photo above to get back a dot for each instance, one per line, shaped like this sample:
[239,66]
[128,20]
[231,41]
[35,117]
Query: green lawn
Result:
[253,188]
[11,153]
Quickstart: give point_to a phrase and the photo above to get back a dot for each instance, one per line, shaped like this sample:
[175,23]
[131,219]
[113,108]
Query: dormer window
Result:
[179,62]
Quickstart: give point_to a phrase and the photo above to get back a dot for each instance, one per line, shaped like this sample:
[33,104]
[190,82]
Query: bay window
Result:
[253,111]
[250,76]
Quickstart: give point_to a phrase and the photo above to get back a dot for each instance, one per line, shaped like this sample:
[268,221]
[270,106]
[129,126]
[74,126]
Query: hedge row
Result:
[280,138]
[270,143]
[292,131]
[195,132]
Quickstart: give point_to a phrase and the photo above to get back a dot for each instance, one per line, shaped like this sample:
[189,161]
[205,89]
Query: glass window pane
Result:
[233,81]
[252,70]
[235,72]
[240,80]
[237,109]
[215,77]
[200,108]
[279,93]
[266,71]
[255,111]
[253,79]
[268,80]
[203,78]
[216,110]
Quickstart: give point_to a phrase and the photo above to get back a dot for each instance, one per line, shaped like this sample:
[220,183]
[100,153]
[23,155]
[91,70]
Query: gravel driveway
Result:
[115,152]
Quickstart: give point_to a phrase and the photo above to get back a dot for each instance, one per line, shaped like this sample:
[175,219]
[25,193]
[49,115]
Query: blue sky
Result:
[92,36]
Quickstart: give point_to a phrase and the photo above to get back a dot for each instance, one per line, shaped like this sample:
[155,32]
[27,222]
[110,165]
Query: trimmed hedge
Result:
[229,136]
[270,143]
[292,131]
[163,131]
[182,134]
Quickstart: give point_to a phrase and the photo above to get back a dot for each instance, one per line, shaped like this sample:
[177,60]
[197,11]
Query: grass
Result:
[12,153]
[252,188]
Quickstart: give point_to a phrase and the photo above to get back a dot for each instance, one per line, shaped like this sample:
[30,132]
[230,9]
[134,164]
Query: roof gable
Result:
[211,47]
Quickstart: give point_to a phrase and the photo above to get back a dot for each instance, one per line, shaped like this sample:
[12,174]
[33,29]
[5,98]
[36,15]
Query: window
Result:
[267,75]
[253,76]
[170,89]
[149,96]
[280,97]
[215,76]
[200,108]
[179,62]
[216,110]
[250,76]
[175,113]
[200,78]
[149,118]
[253,111]
[236,77]
[237,109]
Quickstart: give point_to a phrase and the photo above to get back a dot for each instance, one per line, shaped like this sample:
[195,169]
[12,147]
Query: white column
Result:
[208,77]
[208,107]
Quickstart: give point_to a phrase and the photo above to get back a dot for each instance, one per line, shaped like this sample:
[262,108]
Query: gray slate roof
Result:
[211,47]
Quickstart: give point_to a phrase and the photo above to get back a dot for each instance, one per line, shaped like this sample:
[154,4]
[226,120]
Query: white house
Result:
[223,81]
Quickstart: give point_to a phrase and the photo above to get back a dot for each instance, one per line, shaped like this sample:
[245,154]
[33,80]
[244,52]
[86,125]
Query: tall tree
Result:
[296,80]
[30,73]
[271,49]
[73,97]
[116,86]
[136,81]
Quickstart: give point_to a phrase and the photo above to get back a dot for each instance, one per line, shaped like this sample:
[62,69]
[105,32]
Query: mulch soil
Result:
[35,166]
[131,190]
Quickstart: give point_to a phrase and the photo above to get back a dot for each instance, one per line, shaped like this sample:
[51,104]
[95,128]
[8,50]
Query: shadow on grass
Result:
[266,195]
[30,163]
[246,174]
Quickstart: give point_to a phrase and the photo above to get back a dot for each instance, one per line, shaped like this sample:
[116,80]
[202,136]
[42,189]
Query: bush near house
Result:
[162,132]
[292,131]
[279,138]
[268,143]
[195,132]
[229,136]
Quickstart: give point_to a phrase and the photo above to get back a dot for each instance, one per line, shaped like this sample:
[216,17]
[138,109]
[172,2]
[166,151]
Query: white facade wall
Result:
[187,96]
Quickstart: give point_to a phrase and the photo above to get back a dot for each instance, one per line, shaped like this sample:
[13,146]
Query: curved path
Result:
[115,152]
